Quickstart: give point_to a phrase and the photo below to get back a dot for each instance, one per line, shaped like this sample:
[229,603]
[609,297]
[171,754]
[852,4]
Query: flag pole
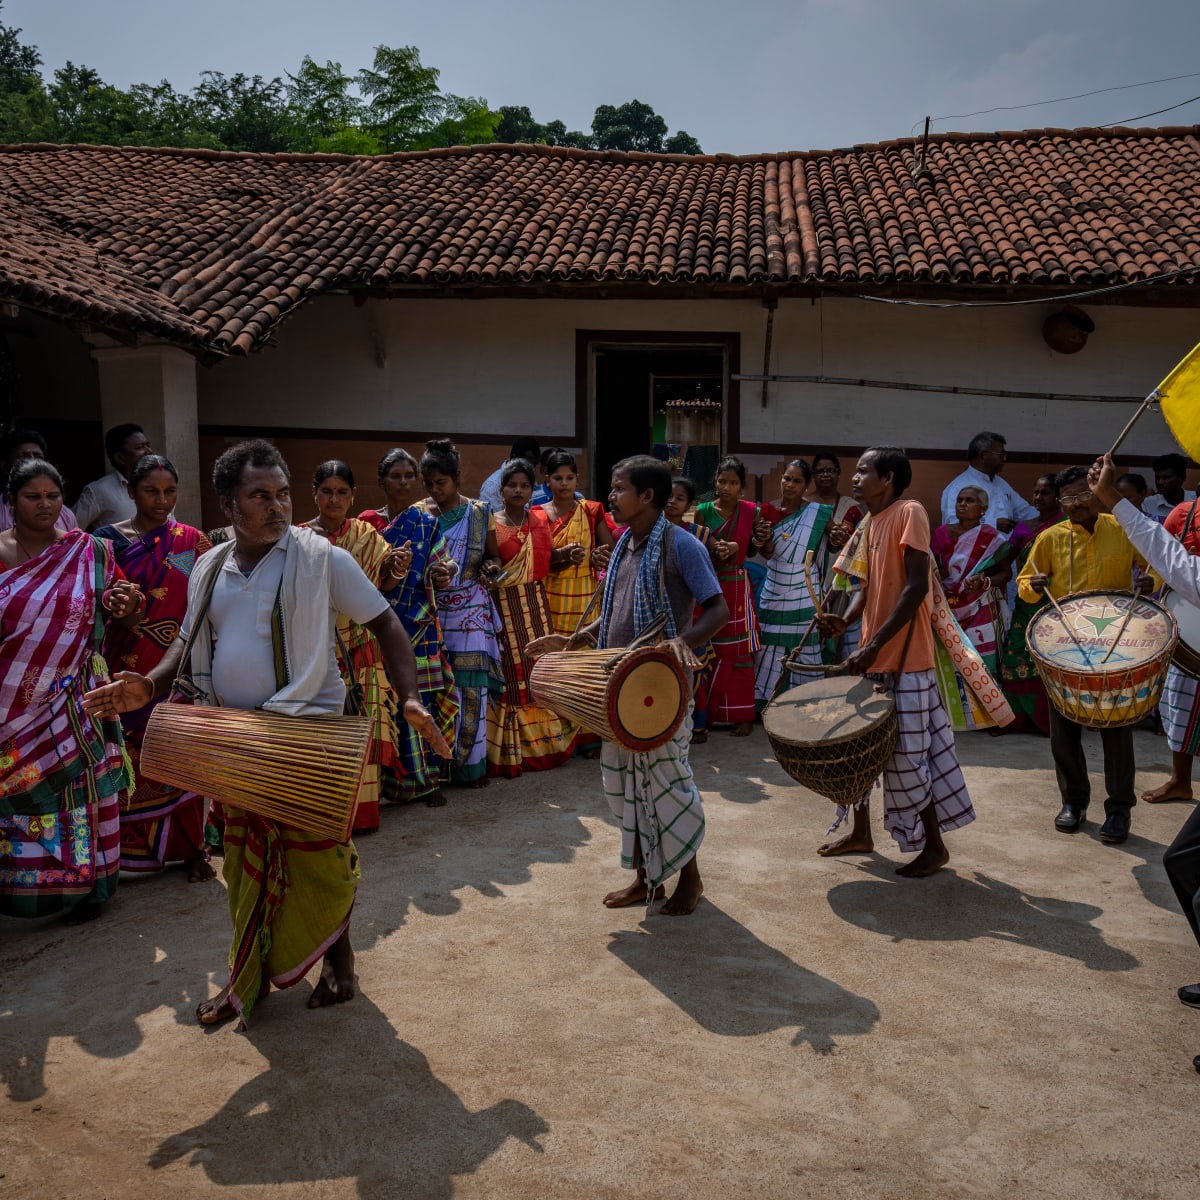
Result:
[1145,405]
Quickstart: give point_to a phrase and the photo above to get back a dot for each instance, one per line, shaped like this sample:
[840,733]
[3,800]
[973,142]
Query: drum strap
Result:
[1191,517]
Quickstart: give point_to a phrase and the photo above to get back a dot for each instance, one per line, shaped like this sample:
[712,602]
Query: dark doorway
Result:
[666,400]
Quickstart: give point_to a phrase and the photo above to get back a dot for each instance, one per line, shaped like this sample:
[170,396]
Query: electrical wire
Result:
[1156,113]
[1052,299]
[1123,87]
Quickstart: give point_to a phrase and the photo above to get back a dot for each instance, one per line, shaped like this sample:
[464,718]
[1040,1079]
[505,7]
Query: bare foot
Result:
[82,913]
[852,843]
[635,893]
[1173,789]
[217,1010]
[478,783]
[699,737]
[592,754]
[741,729]
[687,893]
[931,860]
[337,982]
[436,799]
[199,870]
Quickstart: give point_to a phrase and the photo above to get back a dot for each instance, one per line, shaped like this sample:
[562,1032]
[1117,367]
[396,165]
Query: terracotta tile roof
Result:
[213,250]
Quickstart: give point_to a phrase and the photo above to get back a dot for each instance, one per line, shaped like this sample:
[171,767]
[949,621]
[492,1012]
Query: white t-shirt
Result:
[104,501]
[243,668]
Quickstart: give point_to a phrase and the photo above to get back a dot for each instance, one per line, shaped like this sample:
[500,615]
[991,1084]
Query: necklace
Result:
[25,549]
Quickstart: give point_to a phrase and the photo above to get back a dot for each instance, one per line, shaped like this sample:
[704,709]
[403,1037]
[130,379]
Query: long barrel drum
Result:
[300,771]
[637,699]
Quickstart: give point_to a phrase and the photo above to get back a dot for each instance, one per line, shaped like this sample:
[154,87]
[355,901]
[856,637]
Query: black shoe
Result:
[1189,994]
[1196,1062]
[1069,818]
[1115,828]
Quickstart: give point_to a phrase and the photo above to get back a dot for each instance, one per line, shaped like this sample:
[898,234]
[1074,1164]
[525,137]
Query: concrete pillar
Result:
[155,386]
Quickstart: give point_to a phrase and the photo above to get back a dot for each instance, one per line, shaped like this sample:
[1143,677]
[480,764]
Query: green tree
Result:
[464,121]
[516,124]
[20,65]
[405,102]
[682,143]
[86,109]
[244,112]
[631,126]
[320,104]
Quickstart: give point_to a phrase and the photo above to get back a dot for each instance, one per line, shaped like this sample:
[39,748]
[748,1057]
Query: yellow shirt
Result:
[1078,561]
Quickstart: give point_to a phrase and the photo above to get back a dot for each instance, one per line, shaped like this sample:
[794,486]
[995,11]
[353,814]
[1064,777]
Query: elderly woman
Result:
[62,771]
[975,564]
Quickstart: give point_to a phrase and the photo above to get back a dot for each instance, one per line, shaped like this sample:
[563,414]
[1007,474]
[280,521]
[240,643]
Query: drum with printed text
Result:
[1103,656]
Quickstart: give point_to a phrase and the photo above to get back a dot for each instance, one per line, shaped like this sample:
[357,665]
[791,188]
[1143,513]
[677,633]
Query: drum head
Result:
[1094,619]
[827,710]
[1187,617]
[648,699]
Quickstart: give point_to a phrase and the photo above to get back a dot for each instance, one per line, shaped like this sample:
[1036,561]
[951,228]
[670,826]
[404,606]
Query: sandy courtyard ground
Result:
[816,1028]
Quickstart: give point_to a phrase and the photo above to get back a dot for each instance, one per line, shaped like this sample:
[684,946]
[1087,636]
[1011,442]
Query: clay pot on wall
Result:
[1066,332]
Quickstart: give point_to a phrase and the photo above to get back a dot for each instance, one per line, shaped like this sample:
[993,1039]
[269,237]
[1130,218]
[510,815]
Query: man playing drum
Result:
[655,569]
[1182,571]
[924,794]
[259,633]
[1087,552]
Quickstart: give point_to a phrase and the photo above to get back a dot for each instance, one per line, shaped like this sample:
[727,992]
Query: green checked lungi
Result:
[654,796]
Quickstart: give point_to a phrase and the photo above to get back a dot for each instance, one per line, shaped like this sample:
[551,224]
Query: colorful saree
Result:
[366,668]
[523,736]
[730,699]
[1022,684]
[706,654]
[61,772]
[785,608]
[469,632]
[160,824]
[416,606]
[977,612]
[569,590]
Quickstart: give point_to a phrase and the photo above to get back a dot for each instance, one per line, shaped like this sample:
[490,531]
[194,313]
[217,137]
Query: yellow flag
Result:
[1179,398]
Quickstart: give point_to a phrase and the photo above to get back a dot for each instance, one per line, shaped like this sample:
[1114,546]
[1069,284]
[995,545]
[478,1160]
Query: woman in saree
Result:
[732,522]
[160,824]
[827,474]
[61,771]
[359,654]
[786,614]
[683,496]
[582,543]
[470,624]
[974,562]
[1023,687]
[522,736]
[407,526]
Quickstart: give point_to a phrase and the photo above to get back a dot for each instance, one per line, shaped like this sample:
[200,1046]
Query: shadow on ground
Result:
[951,907]
[735,985]
[394,1127]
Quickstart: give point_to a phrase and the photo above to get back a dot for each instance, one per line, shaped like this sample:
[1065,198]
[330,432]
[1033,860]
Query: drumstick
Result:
[808,583]
[1087,661]
[1120,633]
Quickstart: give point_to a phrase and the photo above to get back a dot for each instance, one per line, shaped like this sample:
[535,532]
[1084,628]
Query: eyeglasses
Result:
[1077,501]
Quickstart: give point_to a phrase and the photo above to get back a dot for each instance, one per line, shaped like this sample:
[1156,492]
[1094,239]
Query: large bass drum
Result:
[1187,649]
[1103,656]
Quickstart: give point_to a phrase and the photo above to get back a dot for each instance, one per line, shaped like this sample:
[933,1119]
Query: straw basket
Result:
[300,771]
[834,736]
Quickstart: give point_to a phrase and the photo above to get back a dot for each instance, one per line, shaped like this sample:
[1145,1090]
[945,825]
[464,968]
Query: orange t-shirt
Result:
[901,526]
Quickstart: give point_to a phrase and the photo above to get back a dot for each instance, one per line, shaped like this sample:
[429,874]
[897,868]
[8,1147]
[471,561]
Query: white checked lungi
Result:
[654,796]
[1180,711]
[924,769]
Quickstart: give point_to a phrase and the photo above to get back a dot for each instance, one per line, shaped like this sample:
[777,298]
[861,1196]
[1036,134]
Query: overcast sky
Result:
[740,75]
